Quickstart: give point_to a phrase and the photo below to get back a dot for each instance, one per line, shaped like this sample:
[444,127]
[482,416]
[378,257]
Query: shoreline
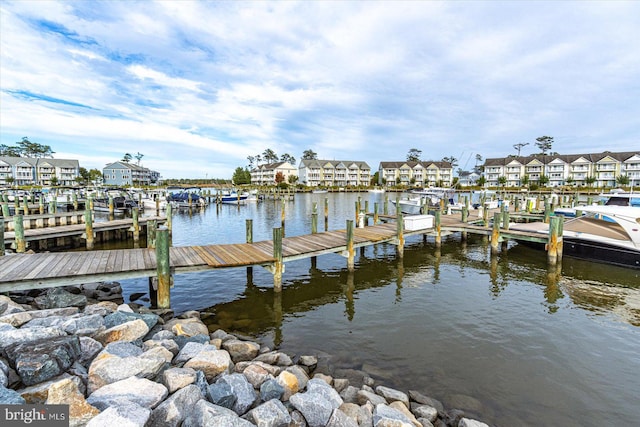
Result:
[88,349]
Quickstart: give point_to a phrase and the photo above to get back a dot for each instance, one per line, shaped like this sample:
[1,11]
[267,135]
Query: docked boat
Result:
[608,234]
[232,197]
[186,198]
[376,190]
[416,202]
[621,198]
[123,202]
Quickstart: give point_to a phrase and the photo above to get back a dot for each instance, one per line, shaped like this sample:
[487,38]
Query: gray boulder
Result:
[120,317]
[207,414]
[177,378]
[244,392]
[271,389]
[59,298]
[241,351]
[38,361]
[175,409]
[270,414]
[124,414]
[221,394]
[10,397]
[340,419]
[314,407]
[140,391]
[384,415]
[10,336]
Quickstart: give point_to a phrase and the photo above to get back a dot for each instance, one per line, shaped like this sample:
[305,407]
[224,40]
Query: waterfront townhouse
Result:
[38,171]
[415,173]
[266,174]
[598,169]
[123,174]
[339,173]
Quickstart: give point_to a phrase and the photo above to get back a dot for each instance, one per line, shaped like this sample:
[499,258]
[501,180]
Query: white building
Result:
[266,174]
[329,173]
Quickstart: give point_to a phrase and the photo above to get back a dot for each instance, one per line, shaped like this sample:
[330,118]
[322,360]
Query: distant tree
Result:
[452,160]
[33,149]
[241,176]
[543,180]
[502,180]
[525,181]
[279,177]
[95,176]
[398,181]
[258,159]
[288,158]
[309,155]
[251,160]
[54,180]
[139,157]
[10,151]
[481,181]
[10,180]
[478,159]
[292,179]
[414,155]
[519,146]
[570,180]
[127,158]
[544,143]
[269,156]
[590,180]
[374,178]
[622,179]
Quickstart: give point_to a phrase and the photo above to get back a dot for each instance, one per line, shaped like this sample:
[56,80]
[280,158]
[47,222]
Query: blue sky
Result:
[196,87]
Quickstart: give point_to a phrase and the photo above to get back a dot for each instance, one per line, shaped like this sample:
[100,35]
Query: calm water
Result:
[532,346]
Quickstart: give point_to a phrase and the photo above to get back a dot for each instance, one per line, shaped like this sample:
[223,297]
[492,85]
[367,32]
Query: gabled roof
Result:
[413,164]
[567,158]
[333,163]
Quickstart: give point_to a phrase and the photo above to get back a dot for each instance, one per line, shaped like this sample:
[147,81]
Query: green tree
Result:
[544,143]
[414,155]
[502,180]
[622,179]
[139,157]
[127,158]
[374,178]
[570,180]
[452,160]
[525,181]
[481,181]
[288,158]
[10,180]
[54,181]
[519,146]
[269,156]
[251,159]
[241,176]
[590,180]
[543,180]
[33,149]
[10,151]
[309,155]
[292,179]
[95,176]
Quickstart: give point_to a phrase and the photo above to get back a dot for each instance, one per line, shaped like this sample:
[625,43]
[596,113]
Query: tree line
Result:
[26,148]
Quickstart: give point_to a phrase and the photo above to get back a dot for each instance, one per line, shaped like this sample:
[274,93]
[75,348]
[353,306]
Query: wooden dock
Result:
[42,270]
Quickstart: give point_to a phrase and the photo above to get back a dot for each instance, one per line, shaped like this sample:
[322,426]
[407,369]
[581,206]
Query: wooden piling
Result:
[385,207]
[75,201]
[282,215]
[278,265]
[163,268]
[5,209]
[169,215]
[438,227]
[41,205]
[88,227]
[151,233]
[375,213]
[350,250]
[465,218]
[136,225]
[1,235]
[326,214]
[18,228]
[555,240]
[495,233]
[314,219]
[399,232]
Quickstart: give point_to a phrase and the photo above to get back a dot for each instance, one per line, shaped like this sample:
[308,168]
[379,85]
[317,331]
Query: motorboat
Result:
[376,190]
[608,234]
[186,198]
[232,197]
[621,198]
[123,201]
[418,201]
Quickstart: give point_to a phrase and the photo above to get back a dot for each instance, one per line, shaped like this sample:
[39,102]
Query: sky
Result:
[197,87]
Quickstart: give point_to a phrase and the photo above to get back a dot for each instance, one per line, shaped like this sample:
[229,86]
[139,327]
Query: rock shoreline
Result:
[121,364]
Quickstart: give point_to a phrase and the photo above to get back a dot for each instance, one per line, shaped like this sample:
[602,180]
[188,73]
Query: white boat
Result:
[416,202]
[621,198]
[319,191]
[376,190]
[232,197]
[609,234]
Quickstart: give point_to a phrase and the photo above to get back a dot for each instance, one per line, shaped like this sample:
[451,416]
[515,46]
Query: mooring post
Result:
[547,210]
[485,215]
[157,206]
[438,224]
[41,205]
[357,212]
[18,228]
[151,233]
[5,209]
[163,268]
[136,225]
[88,229]
[375,213]
[25,205]
[555,240]
[52,207]
[16,204]
[1,235]
[75,201]
[385,207]
[278,264]
[111,206]
[326,214]
[249,238]
[282,215]
[495,233]
[465,218]
[169,215]
[399,231]
[314,218]
[350,251]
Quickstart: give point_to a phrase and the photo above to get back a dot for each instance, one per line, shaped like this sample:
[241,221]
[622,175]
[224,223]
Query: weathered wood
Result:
[18,226]
[350,250]
[555,240]
[277,255]
[438,225]
[88,223]
[1,236]
[163,268]
[495,234]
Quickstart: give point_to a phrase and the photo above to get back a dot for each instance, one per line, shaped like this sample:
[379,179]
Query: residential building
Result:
[266,174]
[415,173]
[340,173]
[38,171]
[125,174]
[572,169]
[466,178]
